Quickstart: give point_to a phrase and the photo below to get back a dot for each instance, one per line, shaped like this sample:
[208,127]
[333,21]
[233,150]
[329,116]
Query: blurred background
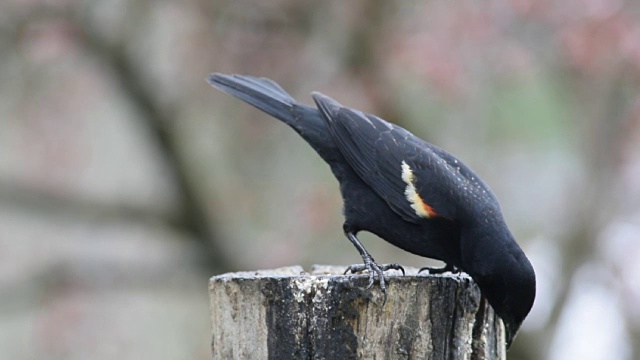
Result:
[126,181]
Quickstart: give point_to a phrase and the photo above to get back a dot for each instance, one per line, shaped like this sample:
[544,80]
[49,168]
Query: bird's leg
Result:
[370,265]
[447,268]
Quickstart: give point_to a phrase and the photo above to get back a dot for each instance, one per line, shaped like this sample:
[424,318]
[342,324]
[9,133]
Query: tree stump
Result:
[287,313]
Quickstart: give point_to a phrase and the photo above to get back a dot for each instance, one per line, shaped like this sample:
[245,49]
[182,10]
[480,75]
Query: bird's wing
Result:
[418,180]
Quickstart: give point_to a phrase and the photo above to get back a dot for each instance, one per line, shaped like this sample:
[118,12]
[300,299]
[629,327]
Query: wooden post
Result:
[287,313]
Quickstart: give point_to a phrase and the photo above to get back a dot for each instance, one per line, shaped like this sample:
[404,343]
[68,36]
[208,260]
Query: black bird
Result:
[406,191]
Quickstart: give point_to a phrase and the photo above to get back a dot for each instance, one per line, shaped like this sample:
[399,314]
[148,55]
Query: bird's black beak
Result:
[510,333]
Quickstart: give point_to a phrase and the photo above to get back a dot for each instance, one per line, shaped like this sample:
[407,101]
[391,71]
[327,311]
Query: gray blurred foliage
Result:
[126,181]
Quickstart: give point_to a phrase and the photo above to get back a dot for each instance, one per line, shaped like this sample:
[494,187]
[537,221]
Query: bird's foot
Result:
[374,270]
[447,268]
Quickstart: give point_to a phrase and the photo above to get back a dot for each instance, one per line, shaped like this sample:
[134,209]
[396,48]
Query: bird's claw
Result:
[374,270]
[447,268]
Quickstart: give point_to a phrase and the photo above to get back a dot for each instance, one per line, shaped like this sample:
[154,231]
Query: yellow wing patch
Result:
[421,208]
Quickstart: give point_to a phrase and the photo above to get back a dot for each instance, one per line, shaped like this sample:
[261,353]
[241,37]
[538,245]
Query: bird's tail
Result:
[262,93]
[269,97]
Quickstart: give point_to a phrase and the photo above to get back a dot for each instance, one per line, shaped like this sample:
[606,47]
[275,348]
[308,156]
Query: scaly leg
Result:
[371,266]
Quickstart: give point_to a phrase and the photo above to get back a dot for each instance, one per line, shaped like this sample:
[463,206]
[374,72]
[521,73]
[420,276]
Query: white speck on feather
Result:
[364,116]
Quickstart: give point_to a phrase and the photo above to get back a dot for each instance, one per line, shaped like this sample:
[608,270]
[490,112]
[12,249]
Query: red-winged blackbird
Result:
[406,191]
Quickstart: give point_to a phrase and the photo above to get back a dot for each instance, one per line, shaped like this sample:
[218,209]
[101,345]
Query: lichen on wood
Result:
[287,313]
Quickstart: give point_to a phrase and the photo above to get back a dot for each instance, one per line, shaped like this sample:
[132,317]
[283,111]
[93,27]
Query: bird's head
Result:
[502,271]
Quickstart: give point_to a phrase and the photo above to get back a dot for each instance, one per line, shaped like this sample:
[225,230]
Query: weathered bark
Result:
[289,314]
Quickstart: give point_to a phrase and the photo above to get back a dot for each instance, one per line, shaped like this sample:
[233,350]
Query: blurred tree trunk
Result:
[193,217]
